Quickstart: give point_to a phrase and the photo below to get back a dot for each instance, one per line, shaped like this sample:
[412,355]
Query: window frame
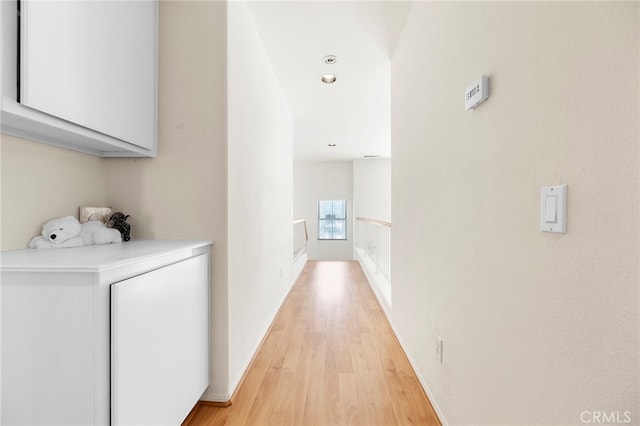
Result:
[334,219]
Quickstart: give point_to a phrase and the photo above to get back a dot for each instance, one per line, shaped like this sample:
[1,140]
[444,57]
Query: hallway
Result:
[330,358]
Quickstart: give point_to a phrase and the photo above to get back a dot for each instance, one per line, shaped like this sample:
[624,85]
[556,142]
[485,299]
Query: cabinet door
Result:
[92,63]
[48,361]
[160,344]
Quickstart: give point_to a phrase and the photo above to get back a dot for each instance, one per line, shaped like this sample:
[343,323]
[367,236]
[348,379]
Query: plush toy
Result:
[118,221]
[96,232]
[68,232]
[61,232]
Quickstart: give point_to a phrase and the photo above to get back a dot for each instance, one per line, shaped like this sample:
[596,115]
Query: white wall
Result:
[182,194]
[537,327]
[372,200]
[224,172]
[372,189]
[323,180]
[260,188]
[40,182]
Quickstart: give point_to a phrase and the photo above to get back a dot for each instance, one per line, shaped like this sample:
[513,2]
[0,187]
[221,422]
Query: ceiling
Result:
[354,112]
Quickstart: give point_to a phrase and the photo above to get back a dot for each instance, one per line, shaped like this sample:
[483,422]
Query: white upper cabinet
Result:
[81,74]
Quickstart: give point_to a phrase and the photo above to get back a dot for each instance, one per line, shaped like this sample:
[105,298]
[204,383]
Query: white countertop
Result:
[95,258]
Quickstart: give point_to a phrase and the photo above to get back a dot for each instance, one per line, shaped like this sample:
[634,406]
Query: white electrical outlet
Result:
[438,347]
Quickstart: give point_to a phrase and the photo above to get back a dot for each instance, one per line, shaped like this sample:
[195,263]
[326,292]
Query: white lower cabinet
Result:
[99,335]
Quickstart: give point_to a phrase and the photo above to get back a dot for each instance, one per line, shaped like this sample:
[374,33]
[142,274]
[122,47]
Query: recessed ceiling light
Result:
[330,59]
[328,78]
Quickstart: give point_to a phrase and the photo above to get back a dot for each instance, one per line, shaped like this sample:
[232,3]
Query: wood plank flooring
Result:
[330,358]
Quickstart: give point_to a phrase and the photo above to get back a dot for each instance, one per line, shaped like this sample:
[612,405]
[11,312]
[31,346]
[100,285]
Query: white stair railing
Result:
[374,238]
[300,237]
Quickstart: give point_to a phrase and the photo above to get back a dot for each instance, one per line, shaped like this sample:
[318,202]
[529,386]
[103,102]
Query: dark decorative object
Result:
[118,221]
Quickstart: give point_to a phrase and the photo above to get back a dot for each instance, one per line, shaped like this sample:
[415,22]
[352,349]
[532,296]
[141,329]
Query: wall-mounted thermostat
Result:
[476,93]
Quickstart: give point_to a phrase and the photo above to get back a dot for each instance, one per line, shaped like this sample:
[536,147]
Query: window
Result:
[332,220]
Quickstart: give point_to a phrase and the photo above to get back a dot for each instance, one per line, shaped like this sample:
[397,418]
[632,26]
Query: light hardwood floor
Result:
[330,358]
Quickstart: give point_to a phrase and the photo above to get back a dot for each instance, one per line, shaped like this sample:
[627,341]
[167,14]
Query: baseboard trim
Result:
[215,397]
[236,386]
[423,382]
[216,404]
[387,313]
[202,403]
[238,383]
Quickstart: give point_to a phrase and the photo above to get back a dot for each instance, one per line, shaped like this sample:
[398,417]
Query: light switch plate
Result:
[553,208]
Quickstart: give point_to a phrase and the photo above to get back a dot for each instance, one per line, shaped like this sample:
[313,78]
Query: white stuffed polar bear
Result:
[66,232]
[95,232]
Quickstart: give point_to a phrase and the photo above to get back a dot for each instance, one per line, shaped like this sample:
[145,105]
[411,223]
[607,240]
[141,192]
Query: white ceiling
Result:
[353,112]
